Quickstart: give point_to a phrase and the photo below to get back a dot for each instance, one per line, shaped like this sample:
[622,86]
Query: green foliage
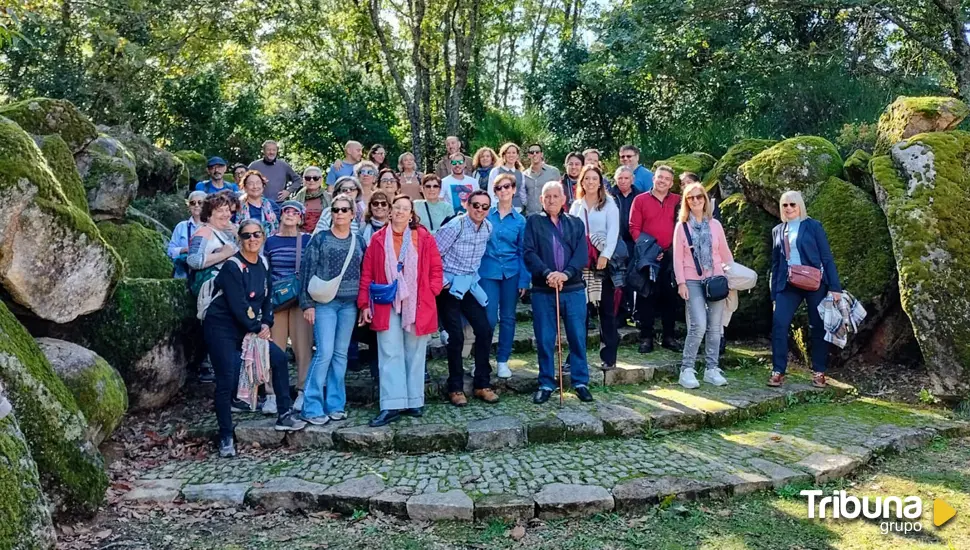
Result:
[857,136]
[195,164]
[141,249]
[856,169]
[498,127]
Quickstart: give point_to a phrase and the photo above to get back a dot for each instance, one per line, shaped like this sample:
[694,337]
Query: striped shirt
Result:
[281,253]
[462,245]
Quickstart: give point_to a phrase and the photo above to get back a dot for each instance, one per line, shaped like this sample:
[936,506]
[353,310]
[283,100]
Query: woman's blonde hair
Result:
[400,161]
[685,206]
[365,164]
[500,161]
[477,159]
[795,197]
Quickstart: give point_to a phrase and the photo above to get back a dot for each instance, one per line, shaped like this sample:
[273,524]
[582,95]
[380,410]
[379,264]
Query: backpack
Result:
[207,289]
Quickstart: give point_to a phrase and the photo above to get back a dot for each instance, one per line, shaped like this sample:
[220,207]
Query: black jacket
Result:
[644,268]
[246,298]
[539,256]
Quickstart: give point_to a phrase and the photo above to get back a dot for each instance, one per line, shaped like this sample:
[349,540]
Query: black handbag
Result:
[716,287]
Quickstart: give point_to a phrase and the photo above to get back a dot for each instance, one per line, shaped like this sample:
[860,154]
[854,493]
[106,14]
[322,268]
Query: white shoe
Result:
[715,377]
[688,379]
[298,404]
[269,406]
[443,336]
[503,370]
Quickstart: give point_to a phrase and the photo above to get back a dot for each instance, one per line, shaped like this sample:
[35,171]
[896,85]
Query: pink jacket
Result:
[684,269]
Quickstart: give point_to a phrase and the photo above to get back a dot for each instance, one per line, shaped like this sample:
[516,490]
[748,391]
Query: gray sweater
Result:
[324,258]
[280,176]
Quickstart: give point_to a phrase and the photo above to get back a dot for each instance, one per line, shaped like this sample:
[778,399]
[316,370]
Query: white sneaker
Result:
[503,370]
[269,406]
[688,379]
[715,377]
[298,404]
[443,336]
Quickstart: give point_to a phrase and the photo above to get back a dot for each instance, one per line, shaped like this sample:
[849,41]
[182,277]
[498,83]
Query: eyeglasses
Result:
[503,187]
[195,203]
[534,151]
[340,209]
[457,162]
[480,205]
[246,235]
[379,204]
[626,156]
[388,180]
[695,197]
[368,172]
[312,178]
[292,211]
[347,190]
[788,205]
[432,187]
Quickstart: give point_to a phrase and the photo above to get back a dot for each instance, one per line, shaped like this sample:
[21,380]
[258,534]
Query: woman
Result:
[388,183]
[333,253]
[508,163]
[254,206]
[409,175]
[432,211]
[241,307]
[601,217]
[178,245]
[376,216]
[483,162]
[282,251]
[503,274]
[313,196]
[712,252]
[406,254]
[570,180]
[345,185]
[366,173]
[378,155]
[799,241]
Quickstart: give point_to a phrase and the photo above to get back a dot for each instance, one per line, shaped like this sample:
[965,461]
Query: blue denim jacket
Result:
[504,253]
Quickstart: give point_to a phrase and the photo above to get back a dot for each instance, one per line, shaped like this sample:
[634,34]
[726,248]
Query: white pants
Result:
[401,361]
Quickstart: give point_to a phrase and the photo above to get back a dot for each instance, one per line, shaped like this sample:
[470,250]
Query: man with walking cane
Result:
[555,255]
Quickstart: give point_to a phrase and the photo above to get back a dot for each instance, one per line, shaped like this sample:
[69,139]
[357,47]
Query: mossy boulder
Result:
[923,186]
[97,387]
[856,170]
[61,162]
[167,209]
[698,163]
[53,260]
[195,165]
[908,116]
[107,169]
[42,116]
[796,164]
[748,231]
[159,171]
[724,175]
[71,468]
[142,250]
[137,216]
[25,520]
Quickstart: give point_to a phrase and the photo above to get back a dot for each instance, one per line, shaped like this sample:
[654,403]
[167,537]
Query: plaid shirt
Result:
[462,245]
[839,318]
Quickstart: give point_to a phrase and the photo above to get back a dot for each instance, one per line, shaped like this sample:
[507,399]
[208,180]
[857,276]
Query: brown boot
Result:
[458,398]
[487,395]
[776,379]
[818,379]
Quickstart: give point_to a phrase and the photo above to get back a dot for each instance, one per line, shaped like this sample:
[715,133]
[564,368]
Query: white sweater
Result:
[605,221]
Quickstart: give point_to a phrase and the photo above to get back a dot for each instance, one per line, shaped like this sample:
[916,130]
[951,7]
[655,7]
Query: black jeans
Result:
[450,311]
[663,297]
[224,341]
[608,322]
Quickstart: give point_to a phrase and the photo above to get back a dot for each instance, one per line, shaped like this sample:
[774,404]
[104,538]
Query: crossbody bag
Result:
[804,277]
[286,291]
[715,287]
[324,292]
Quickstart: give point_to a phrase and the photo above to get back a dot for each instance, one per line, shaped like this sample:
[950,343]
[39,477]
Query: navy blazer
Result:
[813,248]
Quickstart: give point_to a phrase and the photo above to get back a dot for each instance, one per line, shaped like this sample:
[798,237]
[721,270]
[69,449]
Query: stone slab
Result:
[426,438]
[364,438]
[353,494]
[826,467]
[566,500]
[287,493]
[620,421]
[261,432]
[581,424]
[313,437]
[232,494]
[497,432]
[545,430]
[504,507]
[641,493]
[392,502]
[448,506]
[154,491]
[677,420]
[628,373]
[745,483]
[779,475]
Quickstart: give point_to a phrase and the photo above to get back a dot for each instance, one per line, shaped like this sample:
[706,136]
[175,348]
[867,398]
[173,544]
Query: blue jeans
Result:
[324,392]
[786,304]
[503,296]
[703,323]
[572,308]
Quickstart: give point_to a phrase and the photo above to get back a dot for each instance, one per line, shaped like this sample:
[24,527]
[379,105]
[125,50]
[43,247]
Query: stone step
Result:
[524,341]
[819,444]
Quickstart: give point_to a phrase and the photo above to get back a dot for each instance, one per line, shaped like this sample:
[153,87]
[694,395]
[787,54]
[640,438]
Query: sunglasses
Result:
[432,187]
[535,151]
[246,235]
[503,187]
[480,205]
[347,190]
[368,172]
[379,204]
[626,156]
[788,205]
[695,197]
[340,209]
[195,203]
[312,178]
[457,162]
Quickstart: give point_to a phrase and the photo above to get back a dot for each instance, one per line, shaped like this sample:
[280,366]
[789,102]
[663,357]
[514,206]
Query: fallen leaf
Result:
[517,533]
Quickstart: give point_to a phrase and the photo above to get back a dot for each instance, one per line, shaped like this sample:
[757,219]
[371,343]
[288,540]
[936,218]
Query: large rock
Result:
[195,165]
[856,169]
[167,209]
[53,260]
[97,387]
[796,164]
[142,250]
[61,162]
[107,169]
[158,170]
[748,231]
[25,520]
[698,163]
[137,216]
[724,175]
[71,468]
[923,187]
[42,116]
[908,116]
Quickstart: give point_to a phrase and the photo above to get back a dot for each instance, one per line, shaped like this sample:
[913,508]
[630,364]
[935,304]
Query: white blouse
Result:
[605,220]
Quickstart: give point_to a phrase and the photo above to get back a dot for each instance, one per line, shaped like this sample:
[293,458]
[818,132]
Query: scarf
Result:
[310,195]
[700,232]
[271,224]
[406,299]
[255,368]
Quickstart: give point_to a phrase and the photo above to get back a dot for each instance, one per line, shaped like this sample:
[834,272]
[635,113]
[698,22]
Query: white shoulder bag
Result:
[322,291]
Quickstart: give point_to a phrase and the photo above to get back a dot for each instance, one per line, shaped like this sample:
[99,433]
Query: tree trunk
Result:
[498,71]
[508,73]
[464,32]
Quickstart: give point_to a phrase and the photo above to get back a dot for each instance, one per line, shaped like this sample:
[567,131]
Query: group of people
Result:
[366,253]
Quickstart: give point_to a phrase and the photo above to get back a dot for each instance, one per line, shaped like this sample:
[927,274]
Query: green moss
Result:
[157,169]
[69,466]
[724,175]
[168,209]
[857,172]
[799,164]
[25,521]
[42,116]
[748,231]
[698,163]
[61,162]
[195,164]
[141,249]
[908,116]
[101,395]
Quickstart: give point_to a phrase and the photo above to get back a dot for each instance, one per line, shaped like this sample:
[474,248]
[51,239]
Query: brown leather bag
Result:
[804,277]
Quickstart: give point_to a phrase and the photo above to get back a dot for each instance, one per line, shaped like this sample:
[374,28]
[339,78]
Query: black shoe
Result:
[583,393]
[607,366]
[240,406]
[565,367]
[385,418]
[207,375]
[416,413]
[541,396]
[289,423]
[646,345]
[671,344]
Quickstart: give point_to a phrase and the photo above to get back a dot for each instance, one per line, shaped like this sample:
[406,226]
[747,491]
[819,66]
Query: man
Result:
[654,213]
[462,244]
[592,156]
[452,146]
[457,187]
[353,151]
[642,178]
[537,176]
[555,255]
[278,173]
[217,170]
[623,194]
[574,165]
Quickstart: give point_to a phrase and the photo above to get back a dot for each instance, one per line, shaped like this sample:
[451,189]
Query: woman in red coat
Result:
[405,254]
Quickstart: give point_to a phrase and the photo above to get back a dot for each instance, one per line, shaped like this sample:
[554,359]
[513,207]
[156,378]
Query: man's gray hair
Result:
[623,168]
[270,142]
[550,185]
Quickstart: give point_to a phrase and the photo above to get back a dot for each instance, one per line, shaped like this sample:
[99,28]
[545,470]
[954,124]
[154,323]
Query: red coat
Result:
[430,281]
[657,219]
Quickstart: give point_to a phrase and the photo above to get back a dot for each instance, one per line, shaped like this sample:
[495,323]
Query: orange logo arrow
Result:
[942,512]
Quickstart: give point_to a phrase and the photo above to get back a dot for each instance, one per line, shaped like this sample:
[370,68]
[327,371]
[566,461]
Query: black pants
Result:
[224,341]
[608,323]
[663,299]
[450,311]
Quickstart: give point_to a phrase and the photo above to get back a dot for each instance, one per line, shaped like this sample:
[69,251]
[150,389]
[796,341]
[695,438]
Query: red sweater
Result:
[657,219]
[430,281]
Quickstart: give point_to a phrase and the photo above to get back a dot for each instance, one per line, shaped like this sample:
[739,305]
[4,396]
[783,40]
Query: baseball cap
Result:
[293,204]
[214,161]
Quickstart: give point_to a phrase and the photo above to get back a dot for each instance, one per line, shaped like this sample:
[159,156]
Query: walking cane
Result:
[559,345]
